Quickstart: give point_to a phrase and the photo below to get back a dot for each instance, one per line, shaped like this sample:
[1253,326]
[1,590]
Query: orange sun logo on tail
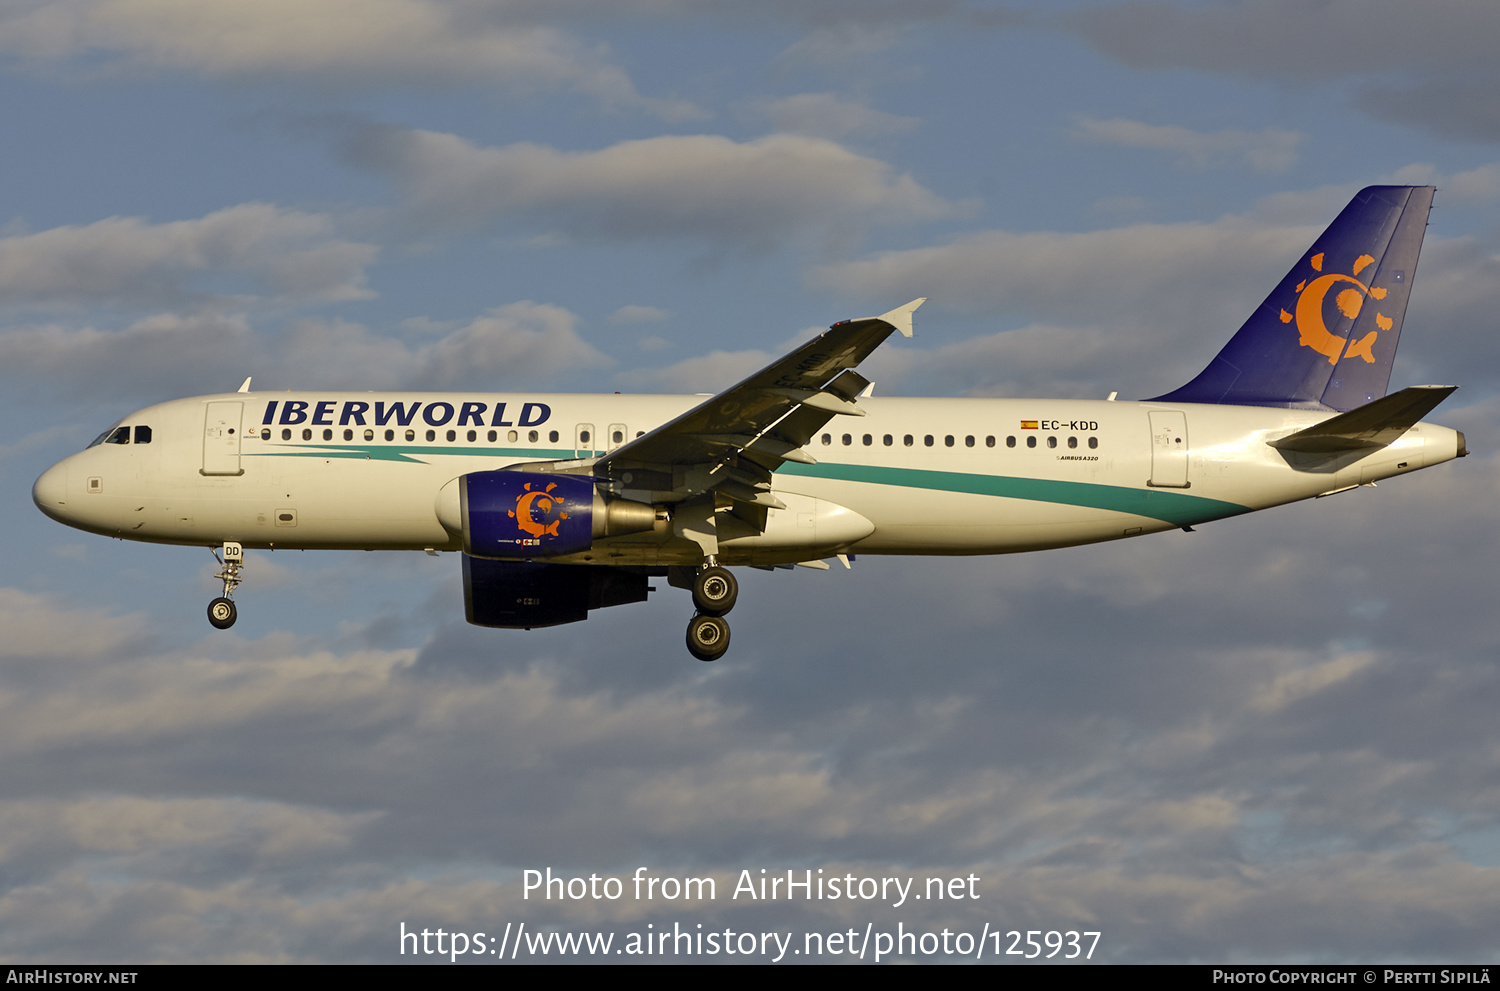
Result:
[530,504]
[1314,333]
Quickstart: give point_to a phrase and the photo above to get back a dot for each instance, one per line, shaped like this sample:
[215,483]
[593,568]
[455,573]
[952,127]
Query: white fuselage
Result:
[913,476]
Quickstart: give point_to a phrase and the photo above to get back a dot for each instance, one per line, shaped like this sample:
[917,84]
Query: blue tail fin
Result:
[1326,338]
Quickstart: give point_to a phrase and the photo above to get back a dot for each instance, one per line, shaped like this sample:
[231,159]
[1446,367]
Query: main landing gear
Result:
[221,611]
[715,591]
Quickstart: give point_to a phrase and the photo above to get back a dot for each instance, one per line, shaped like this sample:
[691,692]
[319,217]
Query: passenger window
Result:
[969,441]
[1072,441]
[472,436]
[1031,441]
[512,436]
[989,442]
[369,435]
[1093,442]
[583,436]
[868,440]
[491,436]
[120,436]
[1051,441]
[927,440]
[640,433]
[307,433]
[532,436]
[432,435]
[328,435]
[1010,441]
[348,434]
[552,436]
[265,433]
[907,440]
[411,435]
[143,435]
[618,437]
[889,440]
[286,433]
[828,439]
[948,441]
[848,440]
[452,436]
[390,434]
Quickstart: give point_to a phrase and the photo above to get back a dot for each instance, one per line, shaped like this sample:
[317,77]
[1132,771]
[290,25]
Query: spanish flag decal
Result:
[1028,424]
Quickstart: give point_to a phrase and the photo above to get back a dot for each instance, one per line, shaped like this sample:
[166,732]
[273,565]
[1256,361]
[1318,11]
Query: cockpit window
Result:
[142,434]
[121,435]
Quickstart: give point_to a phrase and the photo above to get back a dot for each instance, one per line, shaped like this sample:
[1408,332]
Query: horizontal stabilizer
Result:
[1369,426]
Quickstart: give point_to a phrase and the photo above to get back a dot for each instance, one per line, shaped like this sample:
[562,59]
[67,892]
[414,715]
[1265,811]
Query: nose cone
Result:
[50,493]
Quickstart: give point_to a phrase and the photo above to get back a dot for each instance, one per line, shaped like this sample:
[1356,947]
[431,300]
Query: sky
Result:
[1269,740]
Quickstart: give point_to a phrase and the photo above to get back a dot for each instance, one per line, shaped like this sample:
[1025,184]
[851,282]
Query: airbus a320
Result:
[563,504]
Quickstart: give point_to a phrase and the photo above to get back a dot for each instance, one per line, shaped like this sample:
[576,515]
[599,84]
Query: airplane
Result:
[564,504]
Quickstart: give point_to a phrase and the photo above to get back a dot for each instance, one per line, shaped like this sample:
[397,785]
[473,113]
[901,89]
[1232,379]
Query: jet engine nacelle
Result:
[516,515]
[529,595]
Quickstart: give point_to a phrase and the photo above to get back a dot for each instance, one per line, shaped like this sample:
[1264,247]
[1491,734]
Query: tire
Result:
[707,637]
[222,614]
[715,591]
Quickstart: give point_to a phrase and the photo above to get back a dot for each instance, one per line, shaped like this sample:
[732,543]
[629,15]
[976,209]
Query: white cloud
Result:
[522,343]
[38,626]
[1268,150]
[288,254]
[706,188]
[337,41]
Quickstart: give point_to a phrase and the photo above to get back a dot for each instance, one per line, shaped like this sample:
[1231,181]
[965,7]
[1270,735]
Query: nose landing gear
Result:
[221,611]
[715,591]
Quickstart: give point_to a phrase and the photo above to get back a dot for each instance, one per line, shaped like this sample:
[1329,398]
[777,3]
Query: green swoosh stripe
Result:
[1176,508]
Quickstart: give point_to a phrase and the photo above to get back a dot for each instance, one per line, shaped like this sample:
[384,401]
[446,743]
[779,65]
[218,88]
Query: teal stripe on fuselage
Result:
[1177,508]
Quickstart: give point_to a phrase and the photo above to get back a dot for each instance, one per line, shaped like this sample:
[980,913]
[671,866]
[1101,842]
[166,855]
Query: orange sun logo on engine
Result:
[531,504]
[1314,333]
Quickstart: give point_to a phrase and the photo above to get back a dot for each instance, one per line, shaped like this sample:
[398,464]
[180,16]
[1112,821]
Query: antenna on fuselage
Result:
[245,385]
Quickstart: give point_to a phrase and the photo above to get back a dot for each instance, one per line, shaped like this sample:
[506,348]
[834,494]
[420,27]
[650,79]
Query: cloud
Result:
[1480,185]
[1092,275]
[1269,150]
[828,115]
[1429,67]
[287,254]
[1285,38]
[751,195]
[517,344]
[342,42]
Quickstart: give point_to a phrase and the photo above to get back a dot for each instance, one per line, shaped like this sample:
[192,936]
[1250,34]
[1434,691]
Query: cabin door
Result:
[1169,449]
[221,439]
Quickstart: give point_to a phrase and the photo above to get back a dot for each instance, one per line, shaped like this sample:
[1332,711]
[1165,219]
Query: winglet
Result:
[245,385]
[900,317]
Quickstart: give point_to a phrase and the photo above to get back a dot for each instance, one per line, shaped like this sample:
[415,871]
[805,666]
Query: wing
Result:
[730,445]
